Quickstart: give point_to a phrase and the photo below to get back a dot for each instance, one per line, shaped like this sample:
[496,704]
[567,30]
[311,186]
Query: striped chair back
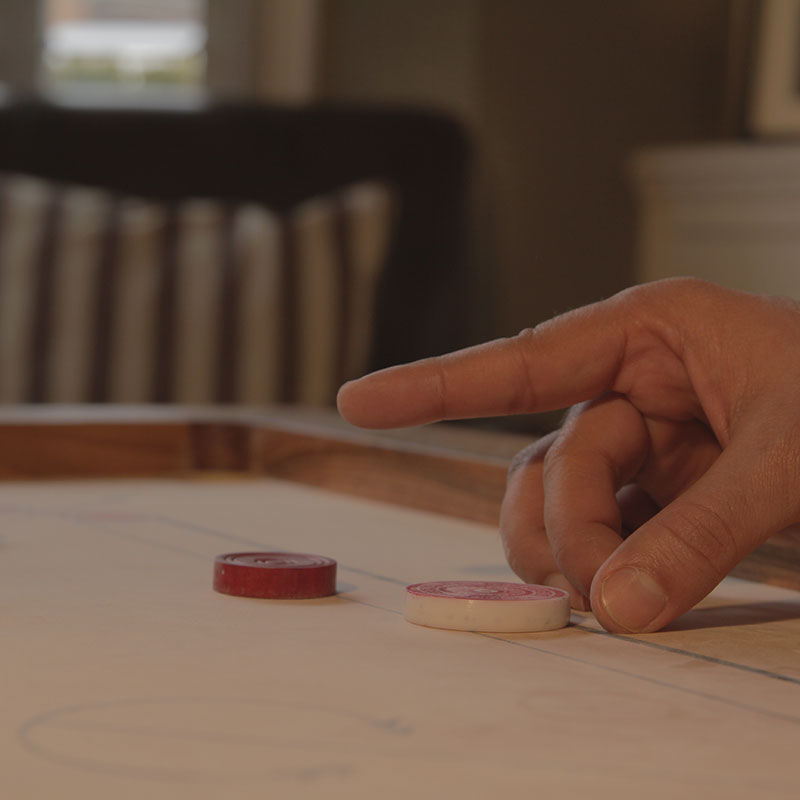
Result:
[109,298]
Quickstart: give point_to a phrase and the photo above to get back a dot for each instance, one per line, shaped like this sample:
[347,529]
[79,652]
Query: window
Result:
[120,47]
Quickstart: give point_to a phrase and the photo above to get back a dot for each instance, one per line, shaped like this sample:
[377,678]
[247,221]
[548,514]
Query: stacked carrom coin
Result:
[489,606]
[277,576]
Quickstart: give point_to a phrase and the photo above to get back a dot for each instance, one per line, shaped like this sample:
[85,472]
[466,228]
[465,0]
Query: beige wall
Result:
[419,51]
[19,43]
[556,96]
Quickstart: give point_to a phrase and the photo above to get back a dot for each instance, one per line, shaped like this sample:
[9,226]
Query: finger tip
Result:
[354,403]
[388,398]
[626,599]
[343,399]
[577,600]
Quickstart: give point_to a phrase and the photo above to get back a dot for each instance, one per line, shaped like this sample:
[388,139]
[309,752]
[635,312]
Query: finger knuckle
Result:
[515,563]
[706,535]
[441,388]
[555,460]
[568,459]
[520,461]
[532,455]
[525,397]
[565,551]
[519,549]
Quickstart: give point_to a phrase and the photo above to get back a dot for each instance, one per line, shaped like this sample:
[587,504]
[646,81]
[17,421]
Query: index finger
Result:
[562,362]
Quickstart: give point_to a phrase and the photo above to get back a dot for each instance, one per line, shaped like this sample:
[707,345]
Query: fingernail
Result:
[632,598]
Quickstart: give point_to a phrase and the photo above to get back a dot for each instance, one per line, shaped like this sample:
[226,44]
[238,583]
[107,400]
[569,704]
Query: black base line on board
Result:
[191,527]
[793,719]
[358,601]
[240,540]
[766,673]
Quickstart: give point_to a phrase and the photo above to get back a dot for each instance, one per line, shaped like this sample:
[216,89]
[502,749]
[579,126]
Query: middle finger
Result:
[601,448]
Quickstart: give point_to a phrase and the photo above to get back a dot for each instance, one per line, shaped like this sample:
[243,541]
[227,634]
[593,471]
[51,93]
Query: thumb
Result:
[682,553]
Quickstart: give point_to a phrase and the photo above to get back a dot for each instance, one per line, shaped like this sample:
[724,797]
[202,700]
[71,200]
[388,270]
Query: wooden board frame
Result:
[461,474]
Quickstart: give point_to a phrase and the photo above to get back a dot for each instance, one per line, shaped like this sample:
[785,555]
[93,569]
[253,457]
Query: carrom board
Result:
[125,676]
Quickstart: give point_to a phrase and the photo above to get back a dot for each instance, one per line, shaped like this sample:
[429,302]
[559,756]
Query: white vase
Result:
[727,212]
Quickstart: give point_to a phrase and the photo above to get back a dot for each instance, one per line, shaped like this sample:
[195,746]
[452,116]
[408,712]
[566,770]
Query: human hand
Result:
[685,434]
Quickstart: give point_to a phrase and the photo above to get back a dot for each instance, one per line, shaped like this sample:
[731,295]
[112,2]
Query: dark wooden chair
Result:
[279,156]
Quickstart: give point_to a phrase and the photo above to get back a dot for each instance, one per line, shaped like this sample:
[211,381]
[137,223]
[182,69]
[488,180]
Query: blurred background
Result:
[601,144]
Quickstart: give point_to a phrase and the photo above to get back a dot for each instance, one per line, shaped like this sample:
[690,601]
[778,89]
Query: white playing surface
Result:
[125,676]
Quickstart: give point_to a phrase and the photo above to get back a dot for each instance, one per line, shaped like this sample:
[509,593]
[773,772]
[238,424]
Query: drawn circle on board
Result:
[213,739]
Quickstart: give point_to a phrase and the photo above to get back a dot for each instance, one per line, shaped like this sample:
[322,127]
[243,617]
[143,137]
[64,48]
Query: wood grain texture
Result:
[221,446]
[456,486]
[777,561]
[458,479]
[80,450]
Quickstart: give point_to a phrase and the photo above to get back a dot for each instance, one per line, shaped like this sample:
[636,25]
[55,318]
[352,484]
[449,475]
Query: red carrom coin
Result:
[277,576]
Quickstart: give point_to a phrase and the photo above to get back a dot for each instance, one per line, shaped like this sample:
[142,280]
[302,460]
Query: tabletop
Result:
[126,676]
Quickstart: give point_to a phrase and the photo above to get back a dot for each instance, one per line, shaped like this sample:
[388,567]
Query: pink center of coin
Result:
[485,590]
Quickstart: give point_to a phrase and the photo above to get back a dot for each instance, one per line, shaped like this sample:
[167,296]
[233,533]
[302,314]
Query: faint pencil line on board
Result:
[235,539]
[766,673]
[795,720]
[193,527]
[585,628]
[360,602]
